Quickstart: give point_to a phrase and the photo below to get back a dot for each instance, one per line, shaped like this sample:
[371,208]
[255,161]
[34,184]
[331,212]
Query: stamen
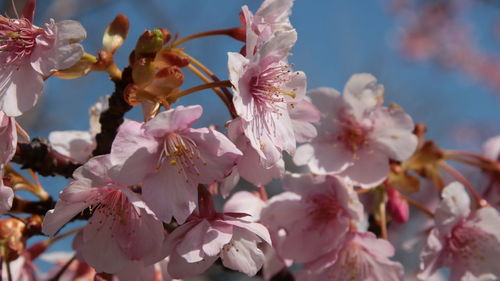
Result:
[17,40]
[267,87]
[181,152]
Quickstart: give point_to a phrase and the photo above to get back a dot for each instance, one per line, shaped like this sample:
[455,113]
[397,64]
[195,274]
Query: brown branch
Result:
[23,206]
[41,158]
[112,118]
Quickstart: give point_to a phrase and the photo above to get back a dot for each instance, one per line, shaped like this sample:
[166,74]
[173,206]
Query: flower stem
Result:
[467,154]
[200,35]
[383,218]
[458,176]
[5,253]
[217,84]
[205,69]
[114,72]
[227,102]
[479,164]
[418,205]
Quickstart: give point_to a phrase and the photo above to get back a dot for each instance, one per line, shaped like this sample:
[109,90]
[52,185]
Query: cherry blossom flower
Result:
[491,149]
[315,212]
[271,17]
[360,257]
[252,204]
[264,86]
[248,166]
[357,135]
[8,142]
[194,246]
[28,53]
[170,158]
[122,232]
[468,242]
[80,144]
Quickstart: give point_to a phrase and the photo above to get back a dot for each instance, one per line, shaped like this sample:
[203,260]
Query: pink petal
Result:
[216,150]
[276,48]
[75,144]
[179,268]
[8,138]
[393,134]
[228,184]
[242,254]
[491,148]
[100,250]
[218,234]
[362,92]
[133,153]
[296,85]
[368,170]
[190,247]
[429,258]
[236,65]
[245,202]
[64,52]
[139,236]
[257,228]
[454,207]
[29,10]
[304,110]
[274,11]
[6,197]
[136,271]
[269,135]
[19,89]
[324,158]
[60,215]
[328,101]
[95,171]
[169,195]
[176,119]
[249,167]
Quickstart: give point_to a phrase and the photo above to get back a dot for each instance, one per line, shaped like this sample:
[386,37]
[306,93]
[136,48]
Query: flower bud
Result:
[397,206]
[116,33]
[143,72]
[168,57]
[11,237]
[149,43]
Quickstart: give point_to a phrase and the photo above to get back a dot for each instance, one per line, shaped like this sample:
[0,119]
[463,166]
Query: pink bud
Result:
[397,206]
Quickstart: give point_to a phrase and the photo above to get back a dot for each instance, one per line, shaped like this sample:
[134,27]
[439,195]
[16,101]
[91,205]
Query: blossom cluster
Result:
[147,189]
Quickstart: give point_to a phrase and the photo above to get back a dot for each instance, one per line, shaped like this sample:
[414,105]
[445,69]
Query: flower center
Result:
[111,207]
[267,86]
[465,243]
[324,208]
[350,265]
[17,40]
[352,134]
[181,152]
